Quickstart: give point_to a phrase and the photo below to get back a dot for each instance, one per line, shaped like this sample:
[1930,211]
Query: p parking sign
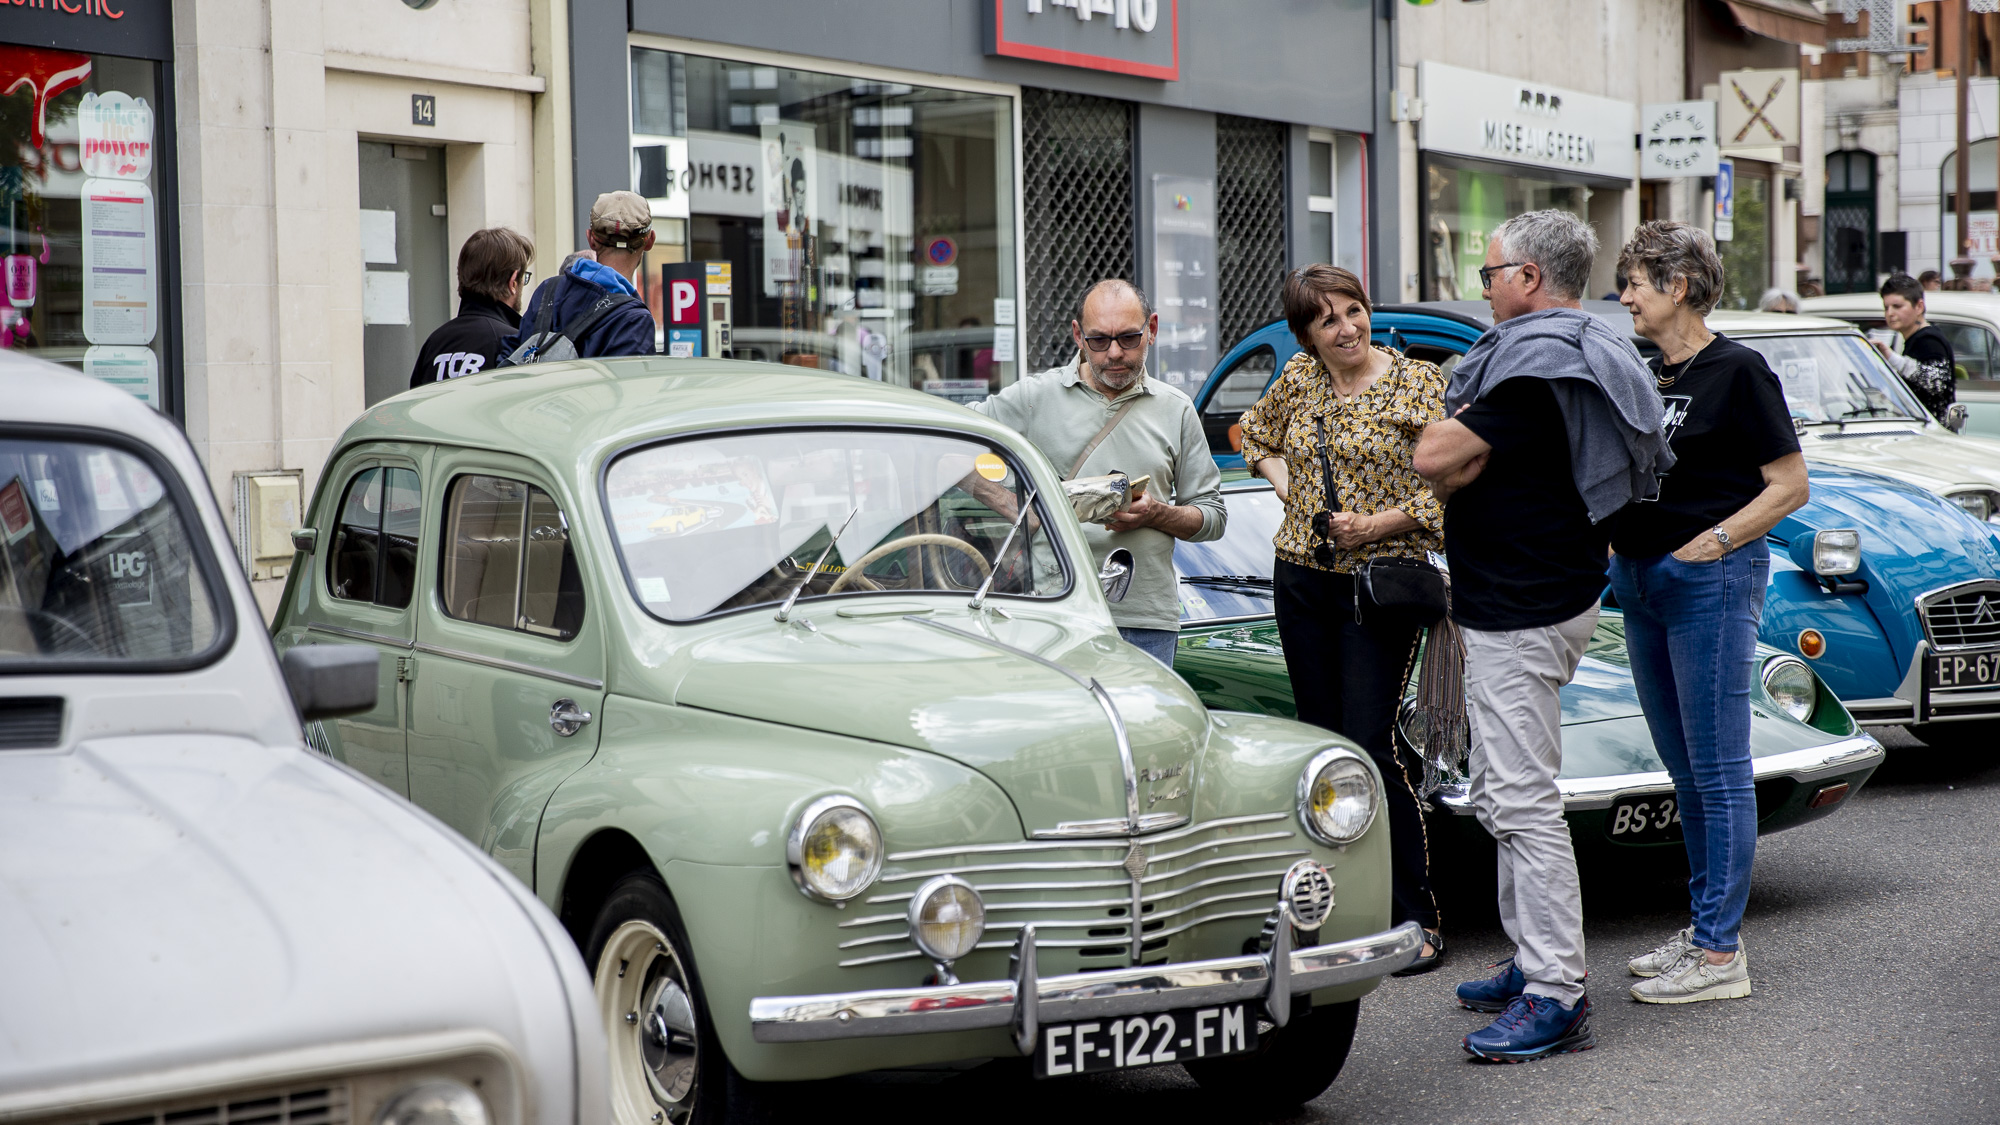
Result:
[1725,200]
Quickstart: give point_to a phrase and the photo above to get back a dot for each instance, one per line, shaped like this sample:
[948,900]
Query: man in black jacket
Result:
[493,273]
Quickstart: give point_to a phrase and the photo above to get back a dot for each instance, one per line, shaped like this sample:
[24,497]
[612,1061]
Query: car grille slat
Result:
[321,1104]
[1217,871]
[1966,616]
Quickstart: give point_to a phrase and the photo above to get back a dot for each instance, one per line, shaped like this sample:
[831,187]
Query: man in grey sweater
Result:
[1101,414]
[1556,424]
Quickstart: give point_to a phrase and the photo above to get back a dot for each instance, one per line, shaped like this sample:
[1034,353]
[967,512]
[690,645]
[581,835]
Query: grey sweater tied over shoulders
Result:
[1611,407]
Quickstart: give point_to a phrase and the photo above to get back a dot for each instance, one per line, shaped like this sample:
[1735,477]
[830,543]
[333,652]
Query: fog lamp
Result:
[438,1101]
[1336,796]
[1791,686]
[947,918]
[1837,552]
[835,850]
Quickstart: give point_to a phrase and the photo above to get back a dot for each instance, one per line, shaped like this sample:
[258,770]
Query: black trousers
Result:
[1348,678]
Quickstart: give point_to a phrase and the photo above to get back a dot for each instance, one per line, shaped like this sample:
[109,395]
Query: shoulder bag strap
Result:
[598,311]
[1331,501]
[1089,448]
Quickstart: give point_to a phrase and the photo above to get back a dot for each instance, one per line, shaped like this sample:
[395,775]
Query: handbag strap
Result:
[1089,448]
[1331,500]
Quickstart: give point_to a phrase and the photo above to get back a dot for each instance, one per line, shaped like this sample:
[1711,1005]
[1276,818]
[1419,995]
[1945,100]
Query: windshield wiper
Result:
[785,611]
[1227,579]
[1027,506]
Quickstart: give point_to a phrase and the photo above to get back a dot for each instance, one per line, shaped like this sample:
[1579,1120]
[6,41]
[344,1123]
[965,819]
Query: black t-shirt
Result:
[1523,551]
[1726,420]
[1936,382]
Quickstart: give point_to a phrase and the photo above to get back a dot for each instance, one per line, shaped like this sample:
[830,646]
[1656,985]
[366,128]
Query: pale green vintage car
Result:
[797,698]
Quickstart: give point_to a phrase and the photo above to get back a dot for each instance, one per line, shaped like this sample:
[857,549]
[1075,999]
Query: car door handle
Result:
[566,718]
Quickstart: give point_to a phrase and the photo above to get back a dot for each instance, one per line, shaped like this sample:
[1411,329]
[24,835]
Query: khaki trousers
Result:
[1512,681]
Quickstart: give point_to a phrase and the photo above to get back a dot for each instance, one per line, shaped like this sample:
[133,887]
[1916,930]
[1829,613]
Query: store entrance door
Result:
[406,279]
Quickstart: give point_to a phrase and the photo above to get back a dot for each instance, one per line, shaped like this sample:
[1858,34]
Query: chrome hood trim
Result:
[1808,764]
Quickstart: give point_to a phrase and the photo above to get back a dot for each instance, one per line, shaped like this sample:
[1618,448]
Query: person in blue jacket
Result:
[621,232]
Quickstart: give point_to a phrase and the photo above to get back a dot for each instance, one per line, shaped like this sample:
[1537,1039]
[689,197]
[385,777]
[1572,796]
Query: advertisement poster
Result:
[115,136]
[1184,278]
[791,187]
[132,369]
[120,303]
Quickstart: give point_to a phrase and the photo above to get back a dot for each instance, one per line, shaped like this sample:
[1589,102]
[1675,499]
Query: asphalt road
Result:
[1871,944]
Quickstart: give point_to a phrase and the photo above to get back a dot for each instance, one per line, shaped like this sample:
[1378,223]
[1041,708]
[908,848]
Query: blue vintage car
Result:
[1890,590]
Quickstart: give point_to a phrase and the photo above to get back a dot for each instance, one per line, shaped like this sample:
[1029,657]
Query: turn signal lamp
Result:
[1812,644]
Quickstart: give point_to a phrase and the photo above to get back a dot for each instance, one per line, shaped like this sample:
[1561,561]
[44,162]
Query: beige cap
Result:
[621,218]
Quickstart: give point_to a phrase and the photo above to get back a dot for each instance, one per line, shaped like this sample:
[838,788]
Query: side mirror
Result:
[328,681]
[1955,416]
[1115,576]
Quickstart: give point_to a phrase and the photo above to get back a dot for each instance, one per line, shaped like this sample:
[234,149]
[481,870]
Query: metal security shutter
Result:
[1076,170]
[1250,224]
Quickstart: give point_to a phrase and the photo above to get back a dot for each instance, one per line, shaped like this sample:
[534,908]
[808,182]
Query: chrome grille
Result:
[1078,894]
[324,1103]
[1963,616]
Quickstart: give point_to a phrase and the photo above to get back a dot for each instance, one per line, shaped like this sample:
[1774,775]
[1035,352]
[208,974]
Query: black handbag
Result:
[1409,589]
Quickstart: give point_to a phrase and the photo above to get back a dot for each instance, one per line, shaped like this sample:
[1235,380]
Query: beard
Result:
[1122,376]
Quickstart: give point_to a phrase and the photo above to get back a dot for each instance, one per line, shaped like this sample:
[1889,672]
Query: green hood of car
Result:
[871,673]
[1934,460]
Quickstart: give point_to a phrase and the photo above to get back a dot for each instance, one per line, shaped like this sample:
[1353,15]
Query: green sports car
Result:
[1810,755]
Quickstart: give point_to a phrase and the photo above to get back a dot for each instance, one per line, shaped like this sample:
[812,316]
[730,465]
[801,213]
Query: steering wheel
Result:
[928,539]
[89,643]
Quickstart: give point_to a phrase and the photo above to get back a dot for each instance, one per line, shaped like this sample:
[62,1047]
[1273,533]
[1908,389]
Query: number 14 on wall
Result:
[423,109]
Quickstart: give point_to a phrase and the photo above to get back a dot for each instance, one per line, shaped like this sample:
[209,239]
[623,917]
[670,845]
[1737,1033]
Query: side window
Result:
[1972,346]
[374,556]
[507,559]
[1242,385]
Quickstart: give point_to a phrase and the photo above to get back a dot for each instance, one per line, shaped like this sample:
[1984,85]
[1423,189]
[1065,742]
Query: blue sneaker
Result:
[1533,1027]
[1494,993]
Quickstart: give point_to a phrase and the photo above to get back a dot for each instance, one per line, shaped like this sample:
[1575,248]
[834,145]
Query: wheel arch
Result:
[599,864]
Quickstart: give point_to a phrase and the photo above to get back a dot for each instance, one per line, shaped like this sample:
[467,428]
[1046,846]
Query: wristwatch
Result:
[1721,537]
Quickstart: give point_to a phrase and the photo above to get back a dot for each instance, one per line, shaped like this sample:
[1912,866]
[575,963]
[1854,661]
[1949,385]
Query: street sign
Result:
[1725,200]
[1758,108]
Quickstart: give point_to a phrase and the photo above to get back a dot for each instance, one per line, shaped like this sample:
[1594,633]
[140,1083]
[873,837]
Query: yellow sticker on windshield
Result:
[990,466]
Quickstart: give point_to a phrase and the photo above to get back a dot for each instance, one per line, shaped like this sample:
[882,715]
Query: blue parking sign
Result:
[1725,200]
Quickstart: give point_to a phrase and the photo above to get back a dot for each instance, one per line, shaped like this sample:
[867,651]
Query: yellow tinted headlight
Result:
[1336,796]
[835,850]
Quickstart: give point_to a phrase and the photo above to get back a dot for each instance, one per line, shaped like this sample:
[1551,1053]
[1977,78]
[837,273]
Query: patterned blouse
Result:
[1372,436]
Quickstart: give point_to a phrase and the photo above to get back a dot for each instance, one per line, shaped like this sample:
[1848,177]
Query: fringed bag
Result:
[1439,716]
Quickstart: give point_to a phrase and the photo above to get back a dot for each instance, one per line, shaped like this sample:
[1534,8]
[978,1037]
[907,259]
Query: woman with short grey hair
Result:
[1688,569]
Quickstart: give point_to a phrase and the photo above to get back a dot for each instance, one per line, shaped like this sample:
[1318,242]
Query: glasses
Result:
[1486,272]
[527,275]
[1126,340]
[1322,552]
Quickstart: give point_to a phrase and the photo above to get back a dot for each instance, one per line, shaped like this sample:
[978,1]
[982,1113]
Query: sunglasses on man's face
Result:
[1126,340]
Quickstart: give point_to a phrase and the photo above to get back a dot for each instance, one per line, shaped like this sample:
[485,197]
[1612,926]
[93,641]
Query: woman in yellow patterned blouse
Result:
[1366,406]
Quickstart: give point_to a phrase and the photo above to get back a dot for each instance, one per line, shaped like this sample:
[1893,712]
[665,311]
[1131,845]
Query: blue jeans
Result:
[1156,643]
[1691,629]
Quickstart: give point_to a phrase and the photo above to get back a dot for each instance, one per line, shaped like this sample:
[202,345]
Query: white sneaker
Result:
[1693,979]
[1659,960]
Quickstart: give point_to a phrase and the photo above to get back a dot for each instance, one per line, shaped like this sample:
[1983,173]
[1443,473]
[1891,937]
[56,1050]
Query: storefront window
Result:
[1746,254]
[81,243]
[852,225]
[1465,205]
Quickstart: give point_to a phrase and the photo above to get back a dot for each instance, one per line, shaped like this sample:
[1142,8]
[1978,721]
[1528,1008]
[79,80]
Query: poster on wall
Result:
[1184,278]
[115,136]
[134,370]
[120,299]
[791,191]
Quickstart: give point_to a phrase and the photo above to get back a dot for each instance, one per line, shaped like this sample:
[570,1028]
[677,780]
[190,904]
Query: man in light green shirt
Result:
[1159,436]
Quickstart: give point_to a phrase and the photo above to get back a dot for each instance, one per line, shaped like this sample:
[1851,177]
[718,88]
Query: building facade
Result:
[917,192]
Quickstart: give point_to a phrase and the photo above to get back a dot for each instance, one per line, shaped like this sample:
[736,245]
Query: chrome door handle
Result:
[566,718]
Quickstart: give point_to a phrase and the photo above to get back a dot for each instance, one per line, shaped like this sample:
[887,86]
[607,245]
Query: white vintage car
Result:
[201,919]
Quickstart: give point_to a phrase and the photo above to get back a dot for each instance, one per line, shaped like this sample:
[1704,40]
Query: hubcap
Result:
[649,1018]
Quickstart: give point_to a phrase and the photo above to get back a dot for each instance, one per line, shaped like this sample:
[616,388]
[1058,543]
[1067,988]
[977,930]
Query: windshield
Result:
[1231,576]
[1835,378]
[96,562]
[722,523]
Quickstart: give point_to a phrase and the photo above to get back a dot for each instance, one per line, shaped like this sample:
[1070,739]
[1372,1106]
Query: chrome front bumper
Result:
[1273,978]
[1813,763]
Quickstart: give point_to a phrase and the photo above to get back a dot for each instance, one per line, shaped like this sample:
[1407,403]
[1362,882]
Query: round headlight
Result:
[1336,796]
[1414,725]
[1790,685]
[947,918]
[438,1101]
[835,850]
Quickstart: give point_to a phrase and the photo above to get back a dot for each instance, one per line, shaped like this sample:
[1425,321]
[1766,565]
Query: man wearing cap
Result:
[621,231]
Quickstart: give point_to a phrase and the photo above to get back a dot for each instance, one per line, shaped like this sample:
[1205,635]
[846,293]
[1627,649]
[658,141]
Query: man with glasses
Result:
[1100,414]
[493,273]
[1554,425]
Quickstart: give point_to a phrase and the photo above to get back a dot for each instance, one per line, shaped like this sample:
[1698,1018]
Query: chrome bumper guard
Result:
[1805,766]
[1274,978]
